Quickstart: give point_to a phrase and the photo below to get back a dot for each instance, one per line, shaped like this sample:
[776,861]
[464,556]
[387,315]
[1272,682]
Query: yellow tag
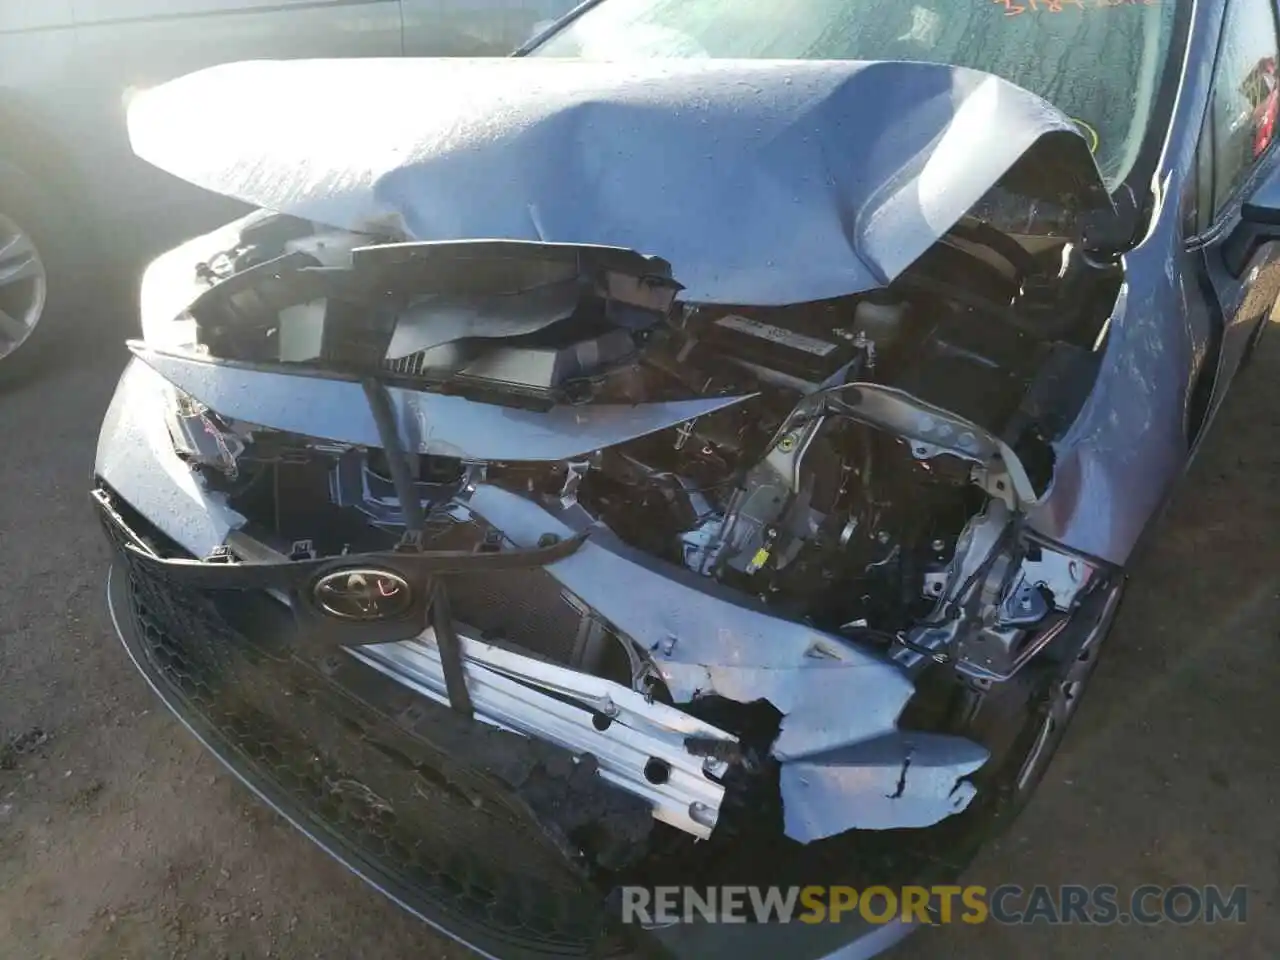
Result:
[760,559]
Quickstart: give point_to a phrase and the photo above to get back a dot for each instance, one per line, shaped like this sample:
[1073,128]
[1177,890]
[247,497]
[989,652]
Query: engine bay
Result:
[779,486]
[790,496]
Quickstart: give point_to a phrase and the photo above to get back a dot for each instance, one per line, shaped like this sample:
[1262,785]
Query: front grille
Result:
[338,749]
[523,608]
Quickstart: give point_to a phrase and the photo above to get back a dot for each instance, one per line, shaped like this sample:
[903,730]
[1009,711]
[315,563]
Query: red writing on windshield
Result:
[1014,8]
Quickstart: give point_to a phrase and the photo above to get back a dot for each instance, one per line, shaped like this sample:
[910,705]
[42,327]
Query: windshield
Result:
[1099,61]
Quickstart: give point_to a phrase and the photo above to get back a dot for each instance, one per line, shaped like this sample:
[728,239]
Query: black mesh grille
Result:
[524,608]
[355,777]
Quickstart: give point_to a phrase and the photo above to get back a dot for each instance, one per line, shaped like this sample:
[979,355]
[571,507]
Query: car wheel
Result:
[1069,677]
[30,250]
[1024,720]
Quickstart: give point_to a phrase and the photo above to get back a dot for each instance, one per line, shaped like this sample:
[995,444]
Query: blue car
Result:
[705,450]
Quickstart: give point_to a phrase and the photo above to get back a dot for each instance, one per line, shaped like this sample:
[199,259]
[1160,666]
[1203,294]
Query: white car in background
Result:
[71,192]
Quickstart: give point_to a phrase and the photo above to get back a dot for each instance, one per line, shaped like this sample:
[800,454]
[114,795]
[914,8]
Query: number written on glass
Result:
[1015,8]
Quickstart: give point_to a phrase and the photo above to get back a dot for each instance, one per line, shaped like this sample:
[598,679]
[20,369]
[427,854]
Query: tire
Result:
[31,211]
[1251,348]
[1054,683]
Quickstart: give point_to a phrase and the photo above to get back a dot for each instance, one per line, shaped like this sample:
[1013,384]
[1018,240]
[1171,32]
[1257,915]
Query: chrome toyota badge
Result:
[363,594]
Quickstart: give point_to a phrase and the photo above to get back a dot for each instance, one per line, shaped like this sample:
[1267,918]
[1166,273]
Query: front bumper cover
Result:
[370,772]
[430,808]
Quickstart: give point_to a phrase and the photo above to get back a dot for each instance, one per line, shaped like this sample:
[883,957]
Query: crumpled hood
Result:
[761,182]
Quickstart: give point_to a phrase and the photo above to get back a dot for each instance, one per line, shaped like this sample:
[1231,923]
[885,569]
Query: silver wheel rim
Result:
[24,286]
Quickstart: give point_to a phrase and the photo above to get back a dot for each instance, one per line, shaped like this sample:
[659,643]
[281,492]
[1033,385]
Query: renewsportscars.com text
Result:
[1102,904]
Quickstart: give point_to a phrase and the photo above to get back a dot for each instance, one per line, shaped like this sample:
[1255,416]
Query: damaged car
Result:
[688,452]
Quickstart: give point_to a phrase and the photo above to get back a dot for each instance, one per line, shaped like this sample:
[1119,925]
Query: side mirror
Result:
[1262,206]
[1259,223]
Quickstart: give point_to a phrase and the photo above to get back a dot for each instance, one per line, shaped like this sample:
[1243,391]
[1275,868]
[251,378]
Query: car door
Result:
[475,28]
[1235,152]
[127,45]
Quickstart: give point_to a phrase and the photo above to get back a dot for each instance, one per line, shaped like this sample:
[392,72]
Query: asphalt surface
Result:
[120,839]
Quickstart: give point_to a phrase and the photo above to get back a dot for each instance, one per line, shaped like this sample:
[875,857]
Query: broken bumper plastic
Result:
[368,770]
[255,704]
[637,744]
[843,755]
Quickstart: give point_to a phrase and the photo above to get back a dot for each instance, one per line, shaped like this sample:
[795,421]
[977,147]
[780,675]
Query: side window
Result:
[1246,95]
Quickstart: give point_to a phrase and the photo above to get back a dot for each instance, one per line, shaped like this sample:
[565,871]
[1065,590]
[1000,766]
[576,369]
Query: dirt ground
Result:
[120,839]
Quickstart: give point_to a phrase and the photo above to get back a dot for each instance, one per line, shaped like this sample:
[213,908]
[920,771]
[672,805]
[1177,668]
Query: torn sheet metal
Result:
[431,423]
[904,780]
[824,705]
[706,641]
[842,754]
[862,166]
[1116,464]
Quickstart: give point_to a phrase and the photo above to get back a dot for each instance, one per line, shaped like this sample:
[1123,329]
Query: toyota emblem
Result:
[363,595]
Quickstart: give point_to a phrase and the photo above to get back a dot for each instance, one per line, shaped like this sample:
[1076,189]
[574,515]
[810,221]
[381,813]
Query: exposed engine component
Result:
[845,466]
[361,479]
[514,318]
[795,498]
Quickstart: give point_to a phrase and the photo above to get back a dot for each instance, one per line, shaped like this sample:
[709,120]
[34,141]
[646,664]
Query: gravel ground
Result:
[120,839]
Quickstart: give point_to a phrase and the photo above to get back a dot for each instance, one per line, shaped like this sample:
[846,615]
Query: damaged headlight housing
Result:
[199,435]
[169,284]
[172,282]
[1025,604]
